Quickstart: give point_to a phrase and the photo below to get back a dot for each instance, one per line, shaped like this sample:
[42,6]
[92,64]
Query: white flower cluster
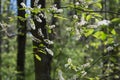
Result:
[83,2]
[77,3]
[60,75]
[82,22]
[99,23]
[83,73]
[48,41]
[40,32]
[49,51]
[31,24]
[39,6]
[92,26]
[36,2]
[52,26]
[38,18]
[75,17]
[55,9]
[85,65]
[103,22]
[77,34]
[35,39]
[23,4]
[110,48]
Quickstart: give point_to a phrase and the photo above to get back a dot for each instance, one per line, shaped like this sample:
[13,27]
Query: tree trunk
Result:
[21,40]
[0,43]
[43,66]
[55,30]
[0,55]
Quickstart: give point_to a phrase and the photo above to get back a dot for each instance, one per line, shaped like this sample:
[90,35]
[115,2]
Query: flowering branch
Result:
[91,11]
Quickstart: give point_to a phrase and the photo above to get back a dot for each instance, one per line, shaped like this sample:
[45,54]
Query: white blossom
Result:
[77,34]
[40,32]
[59,10]
[49,51]
[60,75]
[86,65]
[38,19]
[23,4]
[31,24]
[69,60]
[35,39]
[81,23]
[68,29]
[74,77]
[92,26]
[54,7]
[36,2]
[116,44]
[83,73]
[75,16]
[52,26]
[39,6]
[41,14]
[103,22]
[77,3]
[66,65]
[109,48]
[48,41]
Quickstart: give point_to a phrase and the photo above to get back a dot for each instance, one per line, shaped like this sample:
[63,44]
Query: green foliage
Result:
[84,37]
[38,57]
[100,35]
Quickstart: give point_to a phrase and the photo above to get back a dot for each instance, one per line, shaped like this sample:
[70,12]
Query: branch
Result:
[98,11]
[90,11]
[6,32]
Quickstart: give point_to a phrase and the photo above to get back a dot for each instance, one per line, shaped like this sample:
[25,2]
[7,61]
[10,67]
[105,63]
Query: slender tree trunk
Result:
[0,55]
[21,39]
[43,66]
[0,44]
[56,30]
[115,74]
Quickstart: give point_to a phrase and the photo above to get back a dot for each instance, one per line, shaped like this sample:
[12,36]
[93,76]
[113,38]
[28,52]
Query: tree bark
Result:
[21,40]
[43,66]
[0,44]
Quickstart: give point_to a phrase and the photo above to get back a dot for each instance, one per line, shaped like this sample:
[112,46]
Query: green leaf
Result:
[34,47]
[21,18]
[100,35]
[42,45]
[115,20]
[41,51]
[88,17]
[37,57]
[113,32]
[60,17]
[109,41]
[89,32]
[113,59]
[27,15]
[99,5]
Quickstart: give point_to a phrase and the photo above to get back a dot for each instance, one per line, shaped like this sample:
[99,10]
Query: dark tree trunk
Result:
[0,55]
[21,39]
[43,66]
[0,43]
